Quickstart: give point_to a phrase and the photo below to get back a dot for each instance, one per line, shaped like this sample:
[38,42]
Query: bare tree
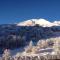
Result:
[42,44]
[28,49]
[6,55]
[56,46]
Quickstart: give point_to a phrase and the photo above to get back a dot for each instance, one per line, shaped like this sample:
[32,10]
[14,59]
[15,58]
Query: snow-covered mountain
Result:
[18,35]
[40,22]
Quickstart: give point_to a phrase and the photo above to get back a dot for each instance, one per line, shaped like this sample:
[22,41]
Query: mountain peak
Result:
[41,22]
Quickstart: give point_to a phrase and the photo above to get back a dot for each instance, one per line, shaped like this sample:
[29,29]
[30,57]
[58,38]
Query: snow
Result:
[25,23]
[15,51]
[46,53]
[56,23]
[37,54]
[41,22]
[53,53]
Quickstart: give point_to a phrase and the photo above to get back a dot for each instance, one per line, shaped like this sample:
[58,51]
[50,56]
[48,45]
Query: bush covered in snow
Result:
[35,52]
[6,55]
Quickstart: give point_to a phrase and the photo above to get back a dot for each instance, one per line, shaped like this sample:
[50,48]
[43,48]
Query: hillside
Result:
[35,37]
[15,36]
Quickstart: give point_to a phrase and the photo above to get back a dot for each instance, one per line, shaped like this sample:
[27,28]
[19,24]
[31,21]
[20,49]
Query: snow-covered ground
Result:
[42,52]
[15,51]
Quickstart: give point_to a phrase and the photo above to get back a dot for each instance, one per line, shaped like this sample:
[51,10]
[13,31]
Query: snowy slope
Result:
[41,22]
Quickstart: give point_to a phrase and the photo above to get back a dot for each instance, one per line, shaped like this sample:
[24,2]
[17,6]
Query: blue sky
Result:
[12,11]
